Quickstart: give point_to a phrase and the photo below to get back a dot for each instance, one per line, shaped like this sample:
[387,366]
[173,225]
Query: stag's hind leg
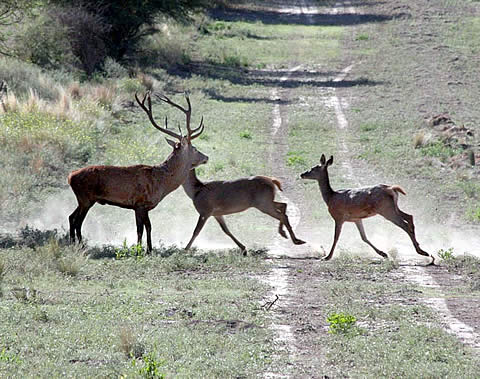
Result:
[142,220]
[273,209]
[72,222]
[361,229]
[82,211]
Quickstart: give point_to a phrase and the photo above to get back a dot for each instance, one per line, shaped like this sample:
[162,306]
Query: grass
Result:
[376,327]
[117,317]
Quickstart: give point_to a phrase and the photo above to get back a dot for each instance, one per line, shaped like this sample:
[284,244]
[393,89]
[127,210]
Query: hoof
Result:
[298,242]
[432,263]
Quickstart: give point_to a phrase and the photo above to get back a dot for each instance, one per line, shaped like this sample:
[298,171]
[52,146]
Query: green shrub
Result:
[341,323]
[45,43]
[22,77]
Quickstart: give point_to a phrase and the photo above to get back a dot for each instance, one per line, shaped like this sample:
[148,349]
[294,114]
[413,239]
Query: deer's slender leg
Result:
[402,222]
[282,208]
[224,227]
[359,224]
[338,229]
[198,228]
[272,210]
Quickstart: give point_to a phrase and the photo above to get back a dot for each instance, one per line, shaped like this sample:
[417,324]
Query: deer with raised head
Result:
[353,205]
[220,198]
[138,187]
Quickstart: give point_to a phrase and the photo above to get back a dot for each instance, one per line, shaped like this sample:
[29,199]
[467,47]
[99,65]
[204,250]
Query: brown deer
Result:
[138,187]
[219,198]
[353,205]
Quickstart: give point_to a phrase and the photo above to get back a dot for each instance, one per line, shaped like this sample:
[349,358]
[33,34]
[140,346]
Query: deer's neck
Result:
[192,185]
[173,171]
[325,188]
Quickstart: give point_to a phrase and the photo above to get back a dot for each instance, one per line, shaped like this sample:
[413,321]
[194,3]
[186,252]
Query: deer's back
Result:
[233,196]
[125,186]
[358,203]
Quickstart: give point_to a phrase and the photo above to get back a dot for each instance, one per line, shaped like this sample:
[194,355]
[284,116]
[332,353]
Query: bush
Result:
[45,43]
[22,77]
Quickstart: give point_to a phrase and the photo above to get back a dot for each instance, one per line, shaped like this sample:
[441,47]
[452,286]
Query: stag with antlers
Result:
[219,198]
[138,187]
[353,205]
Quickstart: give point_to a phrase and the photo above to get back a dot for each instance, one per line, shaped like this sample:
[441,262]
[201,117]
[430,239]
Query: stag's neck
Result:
[325,188]
[173,172]
[192,185]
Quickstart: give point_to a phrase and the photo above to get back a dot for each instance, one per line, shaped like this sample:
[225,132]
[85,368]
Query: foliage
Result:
[45,42]
[150,369]
[128,21]
[341,323]
[446,254]
[11,12]
[135,251]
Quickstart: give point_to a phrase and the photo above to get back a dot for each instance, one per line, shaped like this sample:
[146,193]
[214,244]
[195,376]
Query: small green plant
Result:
[341,323]
[150,368]
[446,254]
[295,158]
[362,37]
[135,251]
[5,356]
[246,134]
[473,213]
[439,150]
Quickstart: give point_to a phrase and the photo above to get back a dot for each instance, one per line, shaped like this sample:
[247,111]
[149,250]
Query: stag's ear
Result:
[330,161]
[322,159]
[171,143]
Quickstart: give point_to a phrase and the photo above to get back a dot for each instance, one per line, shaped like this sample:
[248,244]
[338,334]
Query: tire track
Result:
[414,274]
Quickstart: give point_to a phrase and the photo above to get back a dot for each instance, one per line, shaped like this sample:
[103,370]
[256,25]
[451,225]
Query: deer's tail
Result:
[277,183]
[398,189]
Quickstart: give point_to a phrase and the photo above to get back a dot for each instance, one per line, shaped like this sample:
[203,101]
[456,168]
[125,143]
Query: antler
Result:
[191,134]
[148,111]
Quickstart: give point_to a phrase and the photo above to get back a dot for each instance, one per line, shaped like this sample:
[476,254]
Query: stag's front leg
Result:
[365,239]
[139,216]
[201,222]
[148,228]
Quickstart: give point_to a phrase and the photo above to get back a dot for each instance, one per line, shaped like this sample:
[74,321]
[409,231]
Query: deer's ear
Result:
[171,143]
[330,161]
[322,159]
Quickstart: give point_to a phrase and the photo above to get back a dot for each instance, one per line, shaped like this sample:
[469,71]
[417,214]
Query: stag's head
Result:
[183,144]
[318,172]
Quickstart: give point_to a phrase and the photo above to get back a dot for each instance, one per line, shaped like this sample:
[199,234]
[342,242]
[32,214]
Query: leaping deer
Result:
[353,205]
[138,187]
[219,198]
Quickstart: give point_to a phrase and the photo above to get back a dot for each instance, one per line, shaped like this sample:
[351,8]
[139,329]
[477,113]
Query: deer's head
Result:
[318,172]
[183,145]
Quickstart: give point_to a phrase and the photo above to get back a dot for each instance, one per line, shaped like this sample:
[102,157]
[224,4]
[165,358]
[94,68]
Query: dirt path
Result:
[296,313]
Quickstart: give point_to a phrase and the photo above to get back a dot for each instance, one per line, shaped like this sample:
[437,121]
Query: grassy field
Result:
[109,310]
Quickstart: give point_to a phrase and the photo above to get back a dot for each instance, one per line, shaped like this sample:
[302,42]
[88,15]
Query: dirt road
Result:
[298,317]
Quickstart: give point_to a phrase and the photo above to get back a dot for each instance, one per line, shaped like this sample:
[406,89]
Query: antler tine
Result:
[148,111]
[201,127]
[198,127]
